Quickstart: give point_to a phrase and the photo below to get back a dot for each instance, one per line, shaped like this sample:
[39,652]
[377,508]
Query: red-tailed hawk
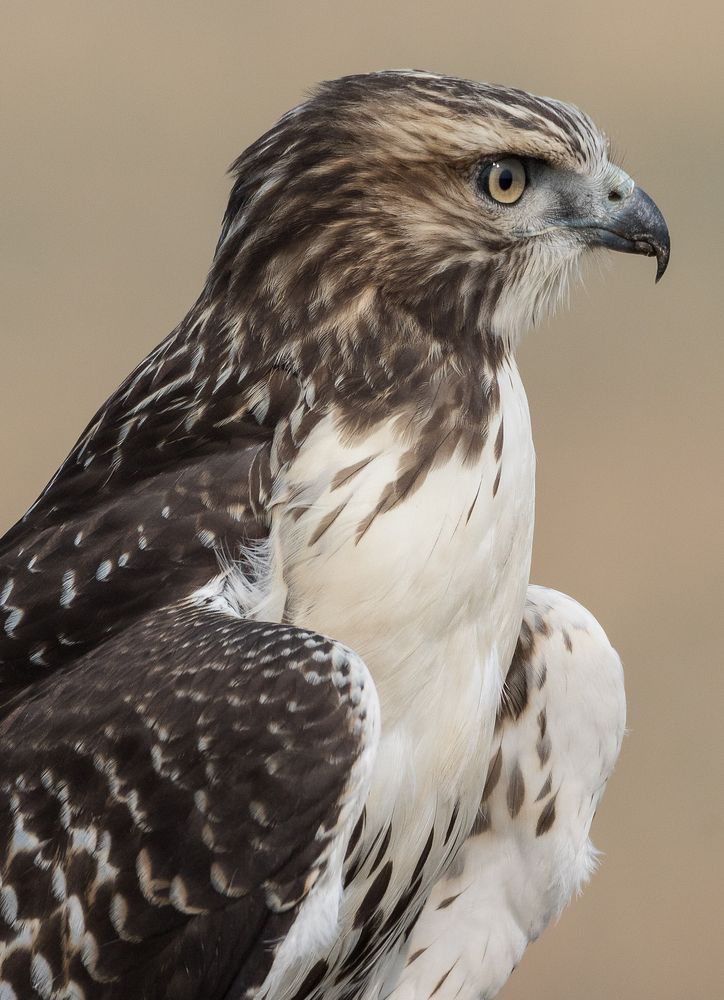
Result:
[273,680]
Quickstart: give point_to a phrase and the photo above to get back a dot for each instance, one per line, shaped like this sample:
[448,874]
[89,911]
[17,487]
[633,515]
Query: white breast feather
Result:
[431,598]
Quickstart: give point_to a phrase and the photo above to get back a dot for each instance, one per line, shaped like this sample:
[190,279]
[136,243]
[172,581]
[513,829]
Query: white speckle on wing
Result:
[58,884]
[104,569]
[13,620]
[8,905]
[68,592]
[38,656]
[41,976]
[76,920]
[206,537]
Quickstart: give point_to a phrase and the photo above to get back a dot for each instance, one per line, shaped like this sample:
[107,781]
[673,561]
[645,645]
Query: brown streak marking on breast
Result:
[449,901]
[546,788]
[499,442]
[373,896]
[472,505]
[482,821]
[344,475]
[546,818]
[542,722]
[493,775]
[313,978]
[424,856]
[356,834]
[383,850]
[362,860]
[451,824]
[516,791]
[543,747]
[327,522]
[415,955]
[541,626]
[407,482]
[442,980]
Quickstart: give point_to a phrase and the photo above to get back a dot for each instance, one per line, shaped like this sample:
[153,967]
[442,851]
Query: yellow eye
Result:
[504,180]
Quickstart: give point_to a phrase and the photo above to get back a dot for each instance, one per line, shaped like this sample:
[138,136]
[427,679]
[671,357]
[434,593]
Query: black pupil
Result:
[505,179]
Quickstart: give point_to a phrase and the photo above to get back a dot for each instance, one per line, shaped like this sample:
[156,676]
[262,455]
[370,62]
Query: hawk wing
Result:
[171,474]
[175,804]
[559,733]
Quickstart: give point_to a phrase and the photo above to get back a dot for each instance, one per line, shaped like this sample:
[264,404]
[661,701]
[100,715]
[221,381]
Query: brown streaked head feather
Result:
[358,269]
[359,204]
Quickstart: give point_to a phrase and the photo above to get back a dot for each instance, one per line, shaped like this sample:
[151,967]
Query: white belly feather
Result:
[431,596]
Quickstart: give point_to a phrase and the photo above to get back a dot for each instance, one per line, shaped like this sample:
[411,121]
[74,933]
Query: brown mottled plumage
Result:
[334,440]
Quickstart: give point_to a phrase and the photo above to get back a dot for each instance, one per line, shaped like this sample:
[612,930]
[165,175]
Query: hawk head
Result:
[461,205]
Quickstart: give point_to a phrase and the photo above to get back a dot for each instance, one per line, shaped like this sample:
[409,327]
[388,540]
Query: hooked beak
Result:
[631,224]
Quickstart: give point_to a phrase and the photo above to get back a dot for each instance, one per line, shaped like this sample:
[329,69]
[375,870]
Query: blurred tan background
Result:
[118,122]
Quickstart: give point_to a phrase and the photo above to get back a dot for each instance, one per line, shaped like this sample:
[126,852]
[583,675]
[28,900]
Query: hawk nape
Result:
[273,680]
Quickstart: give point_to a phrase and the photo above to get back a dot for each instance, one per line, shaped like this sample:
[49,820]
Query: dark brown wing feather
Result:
[166,805]
[172,472]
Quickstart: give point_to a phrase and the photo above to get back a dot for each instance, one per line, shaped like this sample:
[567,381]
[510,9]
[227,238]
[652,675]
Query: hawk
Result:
[273,681]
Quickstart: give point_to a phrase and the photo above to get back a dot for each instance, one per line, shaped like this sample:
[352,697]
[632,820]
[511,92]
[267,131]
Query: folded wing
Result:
[170,807]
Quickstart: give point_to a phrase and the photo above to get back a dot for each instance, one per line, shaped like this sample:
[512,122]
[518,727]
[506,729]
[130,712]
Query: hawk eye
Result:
[503,180]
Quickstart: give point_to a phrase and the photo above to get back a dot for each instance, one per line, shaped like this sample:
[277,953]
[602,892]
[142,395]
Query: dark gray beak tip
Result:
[646,227]
[662,254]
